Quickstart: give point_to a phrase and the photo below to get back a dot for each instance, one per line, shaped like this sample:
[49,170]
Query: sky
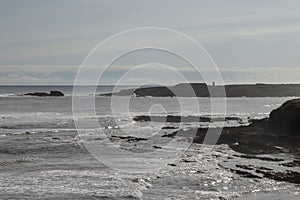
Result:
[45,42]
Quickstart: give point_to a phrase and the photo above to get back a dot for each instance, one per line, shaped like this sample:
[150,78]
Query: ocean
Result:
[42,156]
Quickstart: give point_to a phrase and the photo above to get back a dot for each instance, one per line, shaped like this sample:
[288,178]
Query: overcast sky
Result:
[44,42]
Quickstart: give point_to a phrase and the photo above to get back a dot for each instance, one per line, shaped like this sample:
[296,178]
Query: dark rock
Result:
[156,147]
[37,94]
[44,94]
[286,118]
[245,174]
[264,168]
[187,161]
[142,118]
[178,119]
[56,94]
[171,135]
[254,147]
[287,176]
[254,139]
[262,158]
[129,138]
[259,172]
[136,180]
[169,127]
[250,167]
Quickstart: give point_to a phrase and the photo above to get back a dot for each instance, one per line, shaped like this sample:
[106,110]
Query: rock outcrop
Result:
[44,94]
[285,120]
[278,134]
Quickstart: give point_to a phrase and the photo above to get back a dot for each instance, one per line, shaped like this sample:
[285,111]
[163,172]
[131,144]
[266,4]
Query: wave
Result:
[9,95]
[16,161]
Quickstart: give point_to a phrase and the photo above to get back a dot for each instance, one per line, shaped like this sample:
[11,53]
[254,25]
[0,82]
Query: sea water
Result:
[43,157]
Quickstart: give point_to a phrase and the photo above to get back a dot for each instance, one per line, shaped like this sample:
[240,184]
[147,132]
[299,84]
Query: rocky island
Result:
[44,94]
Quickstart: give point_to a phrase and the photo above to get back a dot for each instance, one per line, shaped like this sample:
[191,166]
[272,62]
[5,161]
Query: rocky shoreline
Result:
[264,136]
[274,135]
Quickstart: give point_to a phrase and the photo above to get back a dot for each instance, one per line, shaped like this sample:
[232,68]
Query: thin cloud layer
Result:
[47,75]
[44,42]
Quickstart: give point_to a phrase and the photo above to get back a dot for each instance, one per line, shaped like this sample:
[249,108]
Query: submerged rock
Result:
[44,94]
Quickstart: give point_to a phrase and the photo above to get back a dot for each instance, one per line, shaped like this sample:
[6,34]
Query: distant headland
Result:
[204,90]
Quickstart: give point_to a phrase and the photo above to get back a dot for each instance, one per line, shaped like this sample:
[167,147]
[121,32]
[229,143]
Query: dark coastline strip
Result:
[178,119]
[204,90]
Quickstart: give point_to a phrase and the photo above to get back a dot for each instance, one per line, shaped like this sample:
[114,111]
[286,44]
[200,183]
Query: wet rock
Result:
[169,127]
[178,119]
[250,167]
[262,158]
[287,176]
[187,161]
[136,180]
[264,168]
[171,135]
[251,140]
[279,134]
[250,171]
[157,147]
[245,174]
[295,163]
[129,138]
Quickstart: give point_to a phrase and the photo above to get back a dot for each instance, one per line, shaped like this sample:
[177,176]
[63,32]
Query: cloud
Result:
[42,47]
[53,75]
[33,74]
[17,79]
